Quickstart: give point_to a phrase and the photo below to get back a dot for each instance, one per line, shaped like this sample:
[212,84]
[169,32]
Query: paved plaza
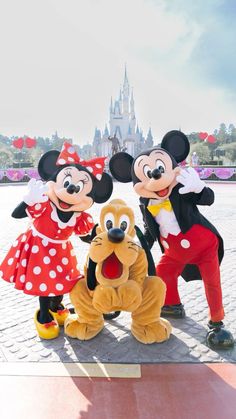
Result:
[18,338]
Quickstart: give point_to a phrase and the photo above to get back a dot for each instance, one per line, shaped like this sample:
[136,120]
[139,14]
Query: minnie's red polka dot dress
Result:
[42,260]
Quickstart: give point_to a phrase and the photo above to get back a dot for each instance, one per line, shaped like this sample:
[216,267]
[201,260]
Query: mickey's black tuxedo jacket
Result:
[187,214]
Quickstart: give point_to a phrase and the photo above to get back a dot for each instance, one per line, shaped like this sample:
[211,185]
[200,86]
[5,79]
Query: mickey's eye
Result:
[160,166]
[147,171]
[67,181]
[124,222]
[79,186]
[109,221]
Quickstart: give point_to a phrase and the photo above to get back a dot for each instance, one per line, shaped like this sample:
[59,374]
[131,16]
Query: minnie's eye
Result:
[160,166]
[67,181]
[147,171]
[79,186]
[124,222]
[109,221]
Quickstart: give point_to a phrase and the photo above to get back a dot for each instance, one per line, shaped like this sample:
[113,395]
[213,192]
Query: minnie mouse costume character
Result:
[191,245]
[42,261]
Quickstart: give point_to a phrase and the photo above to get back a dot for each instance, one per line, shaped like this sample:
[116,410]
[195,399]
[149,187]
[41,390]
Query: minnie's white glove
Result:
[190,180]
[35,194]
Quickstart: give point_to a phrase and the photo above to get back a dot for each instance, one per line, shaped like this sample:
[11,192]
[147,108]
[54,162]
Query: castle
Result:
[123,126]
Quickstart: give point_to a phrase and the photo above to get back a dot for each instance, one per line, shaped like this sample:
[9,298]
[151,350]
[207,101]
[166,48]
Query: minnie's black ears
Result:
[120,166]
[177,144]
[47,164]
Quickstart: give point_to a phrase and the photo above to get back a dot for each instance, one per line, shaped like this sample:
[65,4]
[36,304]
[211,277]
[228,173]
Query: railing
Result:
[219,173]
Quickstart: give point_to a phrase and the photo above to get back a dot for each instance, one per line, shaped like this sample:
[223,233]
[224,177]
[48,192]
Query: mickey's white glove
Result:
[35,192]
[190,180]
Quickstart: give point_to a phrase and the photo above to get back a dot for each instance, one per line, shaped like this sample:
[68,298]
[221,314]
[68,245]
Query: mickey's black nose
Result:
[116,235]
[156,174]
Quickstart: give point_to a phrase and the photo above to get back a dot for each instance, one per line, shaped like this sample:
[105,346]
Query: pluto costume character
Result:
[191,245]
[117,279]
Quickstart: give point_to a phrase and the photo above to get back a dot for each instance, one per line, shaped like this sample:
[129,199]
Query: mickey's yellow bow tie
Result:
[155,209]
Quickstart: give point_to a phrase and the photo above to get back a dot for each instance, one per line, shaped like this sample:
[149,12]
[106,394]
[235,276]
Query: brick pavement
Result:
[19,341]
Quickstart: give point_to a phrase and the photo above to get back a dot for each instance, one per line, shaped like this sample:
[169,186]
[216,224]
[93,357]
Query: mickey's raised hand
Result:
[190,180]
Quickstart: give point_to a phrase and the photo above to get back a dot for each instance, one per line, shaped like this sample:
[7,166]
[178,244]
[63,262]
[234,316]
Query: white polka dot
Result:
[59,268]
[15,243]
[165,244]
[34,233]
[38,207]
[71,159]
[59,231]
[63,246]
[51,294]
[68,277]
[17,254]
[52,252]
[61,161]
[42,287]
[90,169]
[46,260]
[37,270]
[52,274]
[28,285]
[185,244]
[35,249]
[45,242]
[10,261]
[65,261]
[24,262]
[71,150]
[59,287]
[99,166]
[90,220]
[99,176]
[12,278]
[26,247]
[22,278]
[23,238]
[72,252]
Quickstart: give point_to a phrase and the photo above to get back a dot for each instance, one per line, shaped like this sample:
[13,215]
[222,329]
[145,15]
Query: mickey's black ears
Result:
[177,144]
[120,166]
[102,189]
[47,164]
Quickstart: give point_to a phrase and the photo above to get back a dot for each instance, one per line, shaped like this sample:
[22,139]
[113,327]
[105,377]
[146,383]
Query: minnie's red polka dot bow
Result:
[68,155]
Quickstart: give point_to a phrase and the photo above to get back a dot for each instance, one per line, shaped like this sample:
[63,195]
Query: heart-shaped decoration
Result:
[211,139]
[30,142]
[202,135]
[18,143]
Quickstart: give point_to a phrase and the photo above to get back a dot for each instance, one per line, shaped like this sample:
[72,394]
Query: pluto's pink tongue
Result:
[163,192]
[112,267]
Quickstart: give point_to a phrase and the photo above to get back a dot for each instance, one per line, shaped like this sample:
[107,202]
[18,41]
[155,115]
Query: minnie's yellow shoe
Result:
[60,315]
[47,330]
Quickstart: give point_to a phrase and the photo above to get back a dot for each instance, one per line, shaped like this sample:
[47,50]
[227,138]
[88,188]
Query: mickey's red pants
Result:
[198,246]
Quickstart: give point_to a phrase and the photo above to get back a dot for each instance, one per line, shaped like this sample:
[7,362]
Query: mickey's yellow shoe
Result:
[47,330]
[60,315]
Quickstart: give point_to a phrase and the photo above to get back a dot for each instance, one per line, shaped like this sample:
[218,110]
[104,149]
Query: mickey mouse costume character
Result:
[42,261]
[191,245]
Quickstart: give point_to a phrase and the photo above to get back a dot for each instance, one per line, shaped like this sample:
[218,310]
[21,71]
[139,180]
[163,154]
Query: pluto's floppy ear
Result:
[47,164]
[177,144]
[120,166]
[91,277]
[143,242]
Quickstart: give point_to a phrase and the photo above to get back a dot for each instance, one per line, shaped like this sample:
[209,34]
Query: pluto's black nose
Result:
[116,235]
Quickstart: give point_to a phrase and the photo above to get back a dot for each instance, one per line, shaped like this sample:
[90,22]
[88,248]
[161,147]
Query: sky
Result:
[61,61]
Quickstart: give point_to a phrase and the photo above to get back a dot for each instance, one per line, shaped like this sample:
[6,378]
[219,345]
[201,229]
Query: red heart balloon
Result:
[211,139]
[18,143]
[202,135]
[30,142]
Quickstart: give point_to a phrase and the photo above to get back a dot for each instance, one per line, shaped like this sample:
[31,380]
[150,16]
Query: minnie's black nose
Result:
[71,189]
[116,235]
[156,174]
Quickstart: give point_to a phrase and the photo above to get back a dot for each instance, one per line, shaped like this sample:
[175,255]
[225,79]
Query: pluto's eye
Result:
[67,181]
[109,221]
[124,222]
[147,171]
[160,166]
